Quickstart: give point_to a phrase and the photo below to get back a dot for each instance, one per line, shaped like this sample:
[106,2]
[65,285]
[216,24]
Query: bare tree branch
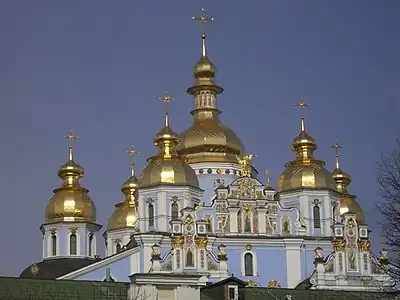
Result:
[388,204]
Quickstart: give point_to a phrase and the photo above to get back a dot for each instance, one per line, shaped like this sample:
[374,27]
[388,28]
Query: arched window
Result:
[189,259]
[72,244]
[54,244]
[90,243]
[151,215]
[248,264]
[118,247]
[175,211]
[317,216]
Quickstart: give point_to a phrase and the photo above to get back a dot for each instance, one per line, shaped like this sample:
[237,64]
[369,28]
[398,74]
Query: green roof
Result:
[35,289]
[279,293]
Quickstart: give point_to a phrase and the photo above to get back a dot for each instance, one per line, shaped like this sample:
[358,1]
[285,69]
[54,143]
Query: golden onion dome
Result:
[125,214]
[207,140]
[71,202]
[305,171]
[167,167]
[348,202]
[341,178]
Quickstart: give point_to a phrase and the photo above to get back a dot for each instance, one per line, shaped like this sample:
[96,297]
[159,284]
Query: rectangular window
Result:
[232,292]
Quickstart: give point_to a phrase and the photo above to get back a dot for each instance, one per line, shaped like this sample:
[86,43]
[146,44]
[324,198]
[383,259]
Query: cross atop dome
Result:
[71,138]
[203,20]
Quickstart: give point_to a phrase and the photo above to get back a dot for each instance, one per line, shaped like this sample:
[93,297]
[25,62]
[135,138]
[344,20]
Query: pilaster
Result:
[293,261]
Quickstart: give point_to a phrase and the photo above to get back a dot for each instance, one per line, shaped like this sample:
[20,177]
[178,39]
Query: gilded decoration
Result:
[316,201]
[274,284]
[155,254]
[73,230]
[174,199]
[245,189]
[149,201]
[363,244]
[339,244]
[251,283]
[34,269]
[248,247]
[177,242]
[246,164]
[201,242]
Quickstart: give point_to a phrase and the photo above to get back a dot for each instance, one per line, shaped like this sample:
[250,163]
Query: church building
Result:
[197,214]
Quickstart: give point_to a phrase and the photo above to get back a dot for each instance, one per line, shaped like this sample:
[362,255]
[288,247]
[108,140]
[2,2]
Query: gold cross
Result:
[132,152]
[203,20]
[166,99]
[301,104]
[71,138]
[337,146]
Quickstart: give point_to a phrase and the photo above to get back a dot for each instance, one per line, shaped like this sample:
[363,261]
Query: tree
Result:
[389,207]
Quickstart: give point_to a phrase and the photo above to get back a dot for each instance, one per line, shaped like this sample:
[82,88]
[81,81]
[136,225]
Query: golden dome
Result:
[204,68]
[70,202]
[305,171]
[167,167]
[348,203]
[124,215]
[207,140]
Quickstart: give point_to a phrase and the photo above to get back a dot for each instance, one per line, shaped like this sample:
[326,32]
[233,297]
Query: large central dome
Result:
[207,140]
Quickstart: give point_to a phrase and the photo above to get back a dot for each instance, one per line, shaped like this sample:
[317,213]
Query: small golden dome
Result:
[70,202]
[342,180]
[125,215]
[348,203]
[167,167]
[305,171]
[204,68]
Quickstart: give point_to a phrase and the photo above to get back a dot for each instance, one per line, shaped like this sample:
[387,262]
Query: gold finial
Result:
[71,138]
[337,146]
[203,20]
[268,178]
[132,153]
[302,104]
[166,99]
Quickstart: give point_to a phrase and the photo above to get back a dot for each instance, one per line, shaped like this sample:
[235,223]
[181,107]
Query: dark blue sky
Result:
[98,67]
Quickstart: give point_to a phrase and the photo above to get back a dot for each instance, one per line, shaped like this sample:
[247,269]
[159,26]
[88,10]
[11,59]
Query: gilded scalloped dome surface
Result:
[349,204]
[298,175]
[172,171]
[208,136]
[123,216]
[70,204]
